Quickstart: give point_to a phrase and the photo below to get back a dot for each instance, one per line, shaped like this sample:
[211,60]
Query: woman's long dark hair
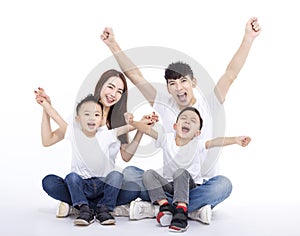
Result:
[115,117]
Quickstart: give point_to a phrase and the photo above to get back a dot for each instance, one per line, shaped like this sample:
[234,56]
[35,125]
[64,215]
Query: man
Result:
[180,85]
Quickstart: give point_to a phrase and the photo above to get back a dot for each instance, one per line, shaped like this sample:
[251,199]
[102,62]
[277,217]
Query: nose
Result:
[178,86]
[113,92]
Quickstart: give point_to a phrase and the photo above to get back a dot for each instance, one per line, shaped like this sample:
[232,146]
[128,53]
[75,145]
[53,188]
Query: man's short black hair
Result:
[177,70]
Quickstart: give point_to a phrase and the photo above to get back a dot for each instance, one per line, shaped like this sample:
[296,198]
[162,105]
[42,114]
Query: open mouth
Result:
[185,129]
[182,97]
[91,125]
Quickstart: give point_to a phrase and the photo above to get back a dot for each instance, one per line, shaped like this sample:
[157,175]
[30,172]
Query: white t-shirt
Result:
[93,157]
[213,119]
[175,157]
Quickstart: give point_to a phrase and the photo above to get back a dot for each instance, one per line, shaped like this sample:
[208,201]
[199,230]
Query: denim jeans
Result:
[111,190]
[213,191]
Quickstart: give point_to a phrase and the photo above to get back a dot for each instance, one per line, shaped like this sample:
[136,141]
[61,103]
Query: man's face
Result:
[182,90]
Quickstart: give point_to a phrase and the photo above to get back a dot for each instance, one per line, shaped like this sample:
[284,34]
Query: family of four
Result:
[96,189]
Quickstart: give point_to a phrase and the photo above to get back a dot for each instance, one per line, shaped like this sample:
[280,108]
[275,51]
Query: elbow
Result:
[45,144]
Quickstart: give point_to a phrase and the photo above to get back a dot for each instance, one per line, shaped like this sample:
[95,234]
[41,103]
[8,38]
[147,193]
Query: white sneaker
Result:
[203,215]
[122,210]
[141,210]
[65,210]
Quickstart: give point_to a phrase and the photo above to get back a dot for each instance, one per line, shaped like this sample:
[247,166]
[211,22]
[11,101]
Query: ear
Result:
[77,118]
[198,132]
[174,126]
[194,82]
[168,88]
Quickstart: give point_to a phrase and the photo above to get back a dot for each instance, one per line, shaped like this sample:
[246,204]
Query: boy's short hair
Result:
[88,98]
[194,110]
[177,70]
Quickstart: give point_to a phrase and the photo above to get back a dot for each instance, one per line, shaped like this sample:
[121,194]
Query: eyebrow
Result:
[115,86]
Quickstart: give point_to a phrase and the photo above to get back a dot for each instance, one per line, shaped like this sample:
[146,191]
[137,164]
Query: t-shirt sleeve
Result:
[161,140]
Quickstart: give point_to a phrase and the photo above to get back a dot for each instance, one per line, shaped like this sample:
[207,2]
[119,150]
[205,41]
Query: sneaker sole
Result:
[81,222]
[108,222]
[176,229]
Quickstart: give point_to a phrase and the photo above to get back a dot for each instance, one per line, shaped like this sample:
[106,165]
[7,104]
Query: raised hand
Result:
[41,96]
[108,36]
[253,28]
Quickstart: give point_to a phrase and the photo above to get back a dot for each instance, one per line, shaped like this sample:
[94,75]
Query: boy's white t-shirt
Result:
[209,107]
[175,157]
[93,157]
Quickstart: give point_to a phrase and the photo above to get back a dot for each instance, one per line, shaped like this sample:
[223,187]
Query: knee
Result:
[180,172]
[72,177]
[116,175]
[133,173]
[224,183]
[129,170]
[48,183]
[148,174]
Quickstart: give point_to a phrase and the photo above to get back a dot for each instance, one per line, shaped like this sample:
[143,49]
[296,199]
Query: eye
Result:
[120,92]
[183,117]
[193,120]
[183,80]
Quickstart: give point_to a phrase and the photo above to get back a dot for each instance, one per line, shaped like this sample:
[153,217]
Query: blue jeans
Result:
[111,190]
[212,191]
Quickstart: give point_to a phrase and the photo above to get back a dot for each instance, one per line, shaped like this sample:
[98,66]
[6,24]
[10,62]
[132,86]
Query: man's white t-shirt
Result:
[93,157]
[175,157]
[211,113]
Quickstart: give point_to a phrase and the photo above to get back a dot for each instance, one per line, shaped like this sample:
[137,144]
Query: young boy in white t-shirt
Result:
[93,174]
[182,165]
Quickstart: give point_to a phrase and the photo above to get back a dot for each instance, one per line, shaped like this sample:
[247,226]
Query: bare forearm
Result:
[219,142]
[50,137]
[129,150]
[46,131]
[133,73]
[239,58]
[127,66]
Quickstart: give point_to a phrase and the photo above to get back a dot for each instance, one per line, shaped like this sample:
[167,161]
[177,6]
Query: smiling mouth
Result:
[91,125]
[110,100]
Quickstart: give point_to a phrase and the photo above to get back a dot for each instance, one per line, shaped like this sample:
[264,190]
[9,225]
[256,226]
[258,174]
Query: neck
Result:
[104,115]
[192,102]
[181,141]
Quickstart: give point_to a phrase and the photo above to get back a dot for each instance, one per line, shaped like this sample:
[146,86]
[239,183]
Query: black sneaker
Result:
[104,217]
[85,217]
[179,221]
[165,214]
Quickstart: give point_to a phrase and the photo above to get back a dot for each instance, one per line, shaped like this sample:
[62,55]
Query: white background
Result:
[55,44]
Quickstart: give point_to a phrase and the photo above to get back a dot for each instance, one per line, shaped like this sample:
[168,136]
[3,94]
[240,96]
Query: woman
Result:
[111,91]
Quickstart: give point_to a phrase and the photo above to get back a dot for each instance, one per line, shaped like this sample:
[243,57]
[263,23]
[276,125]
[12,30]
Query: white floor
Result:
[38,218]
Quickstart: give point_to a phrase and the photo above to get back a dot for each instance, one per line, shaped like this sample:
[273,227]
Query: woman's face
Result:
[111,91]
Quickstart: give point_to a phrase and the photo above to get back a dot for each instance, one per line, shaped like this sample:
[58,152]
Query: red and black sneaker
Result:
[165,214]
[179,221]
